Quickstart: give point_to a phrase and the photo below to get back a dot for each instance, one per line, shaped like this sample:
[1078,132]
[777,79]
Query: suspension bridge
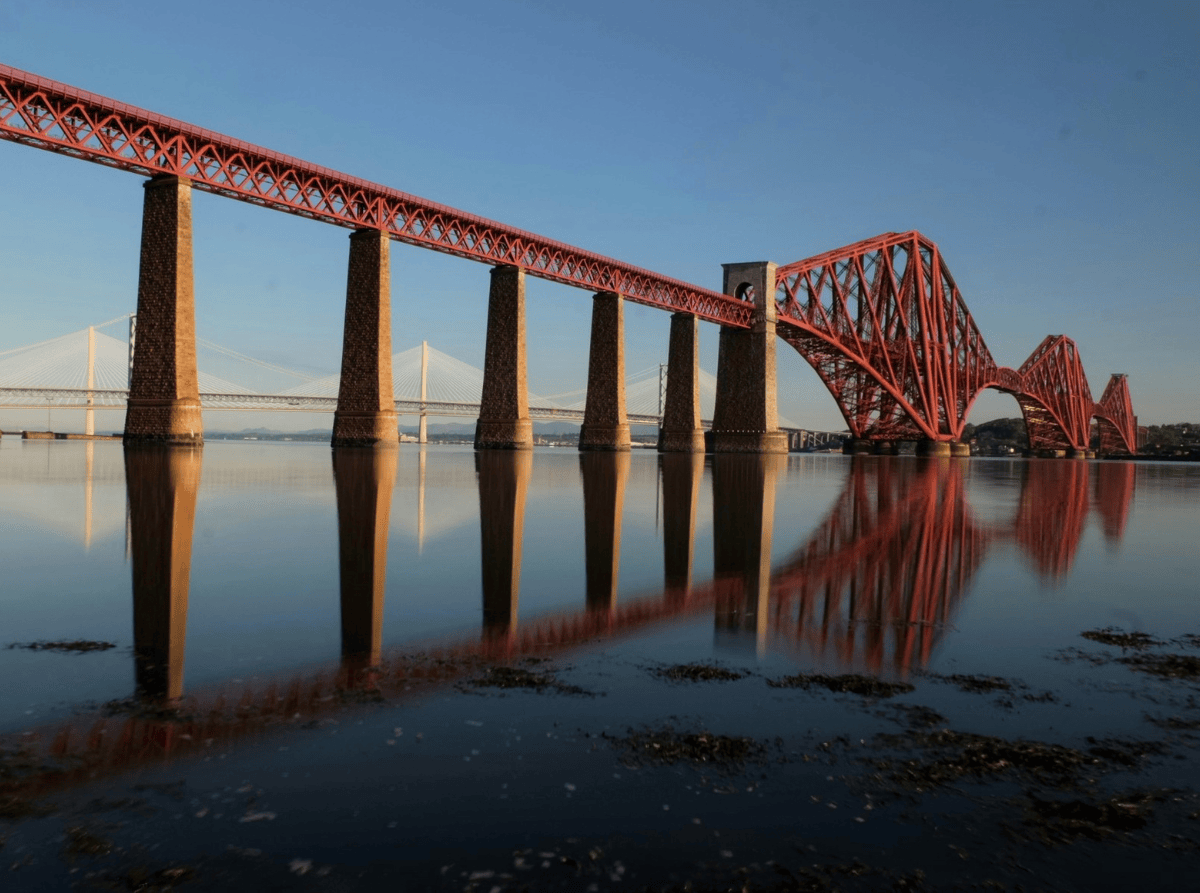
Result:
[89,370]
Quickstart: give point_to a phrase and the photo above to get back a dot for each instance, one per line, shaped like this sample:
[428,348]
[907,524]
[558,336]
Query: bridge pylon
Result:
[746,419]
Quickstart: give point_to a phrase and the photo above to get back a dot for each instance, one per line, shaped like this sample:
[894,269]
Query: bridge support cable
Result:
[164,389]
[745,419]
[605,424]
[680,430]
[504,422]
[366,414]
[89,424]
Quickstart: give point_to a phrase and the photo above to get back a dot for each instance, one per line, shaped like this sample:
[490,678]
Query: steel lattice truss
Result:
[1115,419]
[54,116]
[884,325]
[881,321]
[1055,398]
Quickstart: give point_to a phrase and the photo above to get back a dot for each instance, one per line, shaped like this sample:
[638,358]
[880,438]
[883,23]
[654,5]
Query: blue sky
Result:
[1050,149]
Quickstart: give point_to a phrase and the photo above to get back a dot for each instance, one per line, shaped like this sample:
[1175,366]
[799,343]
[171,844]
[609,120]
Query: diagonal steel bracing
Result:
[60,118]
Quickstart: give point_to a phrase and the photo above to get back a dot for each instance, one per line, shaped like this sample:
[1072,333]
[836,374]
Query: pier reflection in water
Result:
[869,581]
[873,585]
[680,474]
[605,476]
[364,479]
[162,483]
[503,486]
[743,525]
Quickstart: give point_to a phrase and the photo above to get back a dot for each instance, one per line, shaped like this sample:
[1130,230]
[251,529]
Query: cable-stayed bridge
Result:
[89,368]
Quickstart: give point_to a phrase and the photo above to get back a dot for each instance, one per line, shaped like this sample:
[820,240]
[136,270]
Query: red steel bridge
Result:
[881,321]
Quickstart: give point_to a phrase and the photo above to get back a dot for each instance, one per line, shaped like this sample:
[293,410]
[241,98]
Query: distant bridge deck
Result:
[76,398]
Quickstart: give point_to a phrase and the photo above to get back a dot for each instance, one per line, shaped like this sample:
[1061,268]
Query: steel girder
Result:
[1055,398]
[1115,419]
[885,327]
[881,321]
[60,118]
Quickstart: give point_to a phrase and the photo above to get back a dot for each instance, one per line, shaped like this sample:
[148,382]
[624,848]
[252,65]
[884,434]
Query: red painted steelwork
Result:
[881,321]
[54,116]
[893,559]
[897,554]
[1115,420]
[884,325]
[1055,398]
[1115,483]
[1052,515]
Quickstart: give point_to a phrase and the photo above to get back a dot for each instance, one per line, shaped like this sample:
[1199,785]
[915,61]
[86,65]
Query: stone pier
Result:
[364,481]
[161,483]
[503,478]
[604,478]
[680,431]
[164,391]
[366,407]
[504,407]
[605,426]
[745,419]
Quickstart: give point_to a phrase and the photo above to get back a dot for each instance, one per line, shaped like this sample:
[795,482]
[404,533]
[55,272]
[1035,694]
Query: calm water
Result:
[256,559]
[243,566]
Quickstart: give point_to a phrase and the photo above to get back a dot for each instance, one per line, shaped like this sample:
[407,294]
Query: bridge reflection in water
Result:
[873,586]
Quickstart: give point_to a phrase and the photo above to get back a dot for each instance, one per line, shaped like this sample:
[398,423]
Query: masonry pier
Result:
[605,425]
[366,407]
[504,422]
[745,419]
[680,431]
[164,389]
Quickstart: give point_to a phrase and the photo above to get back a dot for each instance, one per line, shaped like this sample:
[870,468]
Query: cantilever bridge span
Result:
[881,321]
